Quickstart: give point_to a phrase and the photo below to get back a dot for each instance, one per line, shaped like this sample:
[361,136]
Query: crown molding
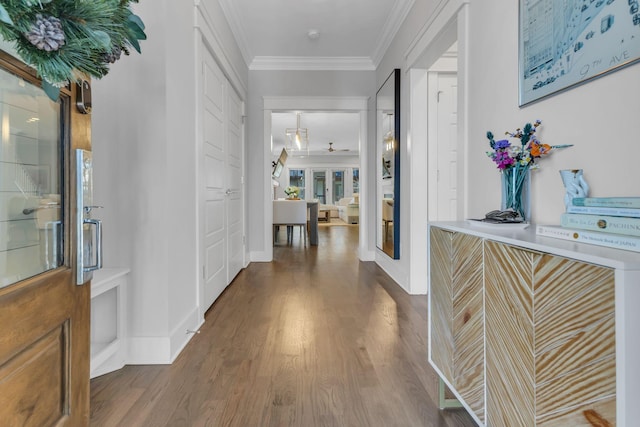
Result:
[311,63]
[391,28]
[235,24]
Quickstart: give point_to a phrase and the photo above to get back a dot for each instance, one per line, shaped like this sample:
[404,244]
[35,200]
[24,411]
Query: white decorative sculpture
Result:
[574,184]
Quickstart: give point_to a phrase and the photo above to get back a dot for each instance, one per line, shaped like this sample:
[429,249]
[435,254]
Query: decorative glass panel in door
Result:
[337,185]
[319,186]
[44,360]
[30,181]
[296,178]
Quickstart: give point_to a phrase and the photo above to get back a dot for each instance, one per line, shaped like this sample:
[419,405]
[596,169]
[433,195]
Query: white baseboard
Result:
[163,350]
[148,351]
[179,337]
[366,255]
[394,270]
[261,256]
[114,363]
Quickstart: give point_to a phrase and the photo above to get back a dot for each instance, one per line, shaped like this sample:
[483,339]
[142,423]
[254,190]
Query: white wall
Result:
[292,83]
[598,117]
[595,117]
[144,141]
[400,270]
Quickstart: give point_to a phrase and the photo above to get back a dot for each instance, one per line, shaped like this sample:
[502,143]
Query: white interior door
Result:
[446,146]
[234,192]
[214,251]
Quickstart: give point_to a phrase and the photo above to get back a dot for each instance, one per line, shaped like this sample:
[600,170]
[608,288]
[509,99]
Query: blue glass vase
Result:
[515,190]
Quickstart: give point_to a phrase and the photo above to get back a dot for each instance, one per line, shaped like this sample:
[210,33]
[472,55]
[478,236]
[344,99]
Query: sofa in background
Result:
[349,209]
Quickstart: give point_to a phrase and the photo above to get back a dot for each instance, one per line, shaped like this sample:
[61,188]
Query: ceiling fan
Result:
[331,149]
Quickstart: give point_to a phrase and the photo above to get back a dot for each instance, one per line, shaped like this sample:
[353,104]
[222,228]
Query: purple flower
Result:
[503,160]
[503,143]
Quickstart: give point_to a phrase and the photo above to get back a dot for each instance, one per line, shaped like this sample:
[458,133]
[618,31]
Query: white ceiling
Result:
[353,35]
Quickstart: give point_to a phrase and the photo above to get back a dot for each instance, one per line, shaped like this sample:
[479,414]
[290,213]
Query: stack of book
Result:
[604,221]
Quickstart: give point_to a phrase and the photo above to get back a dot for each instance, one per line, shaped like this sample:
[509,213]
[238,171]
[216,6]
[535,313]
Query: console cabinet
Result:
[457,314]
[525,335]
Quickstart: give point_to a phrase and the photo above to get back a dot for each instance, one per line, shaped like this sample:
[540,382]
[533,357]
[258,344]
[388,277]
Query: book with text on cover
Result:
[616,241]
[602,223]
[598,210]
[612,202]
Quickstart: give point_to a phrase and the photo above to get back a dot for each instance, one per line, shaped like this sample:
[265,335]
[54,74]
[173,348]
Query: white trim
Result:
[393,268]
[446,11]
[235,23]
[449,19]
[419,167]
[262,256]
[148,351]
[390,29]
[179,337]
[212,39]
[463,111]
[311,63]
[363,169]
[267,190]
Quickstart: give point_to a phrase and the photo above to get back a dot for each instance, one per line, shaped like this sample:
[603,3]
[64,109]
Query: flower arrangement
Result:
[292,191]
[69,40]
[514,162]
[506,155]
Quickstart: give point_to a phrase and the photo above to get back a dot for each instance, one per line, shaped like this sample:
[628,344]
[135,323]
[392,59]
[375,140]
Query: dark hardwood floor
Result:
[315,338]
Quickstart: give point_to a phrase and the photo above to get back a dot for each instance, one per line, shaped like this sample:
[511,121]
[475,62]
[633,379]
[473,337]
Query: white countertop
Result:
[527,238]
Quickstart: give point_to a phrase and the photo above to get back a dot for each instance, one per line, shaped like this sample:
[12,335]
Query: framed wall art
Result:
[564,44]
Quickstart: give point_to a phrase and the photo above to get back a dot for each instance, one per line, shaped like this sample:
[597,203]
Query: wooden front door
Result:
[44,343]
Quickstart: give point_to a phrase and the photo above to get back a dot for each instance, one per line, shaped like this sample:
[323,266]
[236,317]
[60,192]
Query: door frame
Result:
[353,104]
[449,23]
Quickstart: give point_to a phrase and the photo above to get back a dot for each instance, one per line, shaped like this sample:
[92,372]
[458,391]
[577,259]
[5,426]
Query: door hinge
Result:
[204,274]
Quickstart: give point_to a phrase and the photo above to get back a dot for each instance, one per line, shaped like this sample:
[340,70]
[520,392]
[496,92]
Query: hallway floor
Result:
[315,338]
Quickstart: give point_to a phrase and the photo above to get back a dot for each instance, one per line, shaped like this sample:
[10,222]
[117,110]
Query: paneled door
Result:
[44,343]
[234,191]
[215,158]
[447,145]
[223,212]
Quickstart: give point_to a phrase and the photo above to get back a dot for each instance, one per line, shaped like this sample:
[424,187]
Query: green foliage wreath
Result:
[69,40]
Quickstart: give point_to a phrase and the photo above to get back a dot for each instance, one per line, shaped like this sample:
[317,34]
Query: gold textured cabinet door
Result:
[456,314]
[509,336]
[441,344]
[468,321]
[550,340]
[574,312]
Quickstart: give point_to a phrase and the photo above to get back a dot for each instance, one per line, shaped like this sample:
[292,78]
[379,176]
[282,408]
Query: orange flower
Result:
[538,150]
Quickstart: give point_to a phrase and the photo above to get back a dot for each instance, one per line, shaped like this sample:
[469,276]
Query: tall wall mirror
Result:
[388,169]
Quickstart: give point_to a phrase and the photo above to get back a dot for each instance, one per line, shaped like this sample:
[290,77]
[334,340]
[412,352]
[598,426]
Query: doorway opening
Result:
[327,172]
[331,170]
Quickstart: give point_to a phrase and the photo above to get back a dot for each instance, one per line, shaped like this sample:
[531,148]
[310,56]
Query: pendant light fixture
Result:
[297,139]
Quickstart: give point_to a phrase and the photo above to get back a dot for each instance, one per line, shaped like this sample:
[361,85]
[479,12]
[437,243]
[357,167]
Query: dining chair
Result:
[290,213]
